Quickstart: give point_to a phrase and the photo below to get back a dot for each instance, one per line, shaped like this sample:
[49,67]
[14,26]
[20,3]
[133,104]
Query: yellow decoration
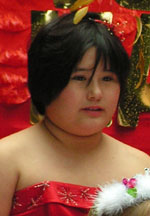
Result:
[139,28]
[80,14]
[136,96]
[141,67]
[147,25]
[145,95]
[79,3]
[35,117]
[121,119]
[109,123]
[107,16]
[135,4]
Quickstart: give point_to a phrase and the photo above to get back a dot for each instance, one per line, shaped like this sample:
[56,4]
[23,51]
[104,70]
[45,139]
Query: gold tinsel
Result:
[63,3]
[135,4]
[136,98]
[145,95]
[79,3]
[80,14]
[40,18]
[35,117]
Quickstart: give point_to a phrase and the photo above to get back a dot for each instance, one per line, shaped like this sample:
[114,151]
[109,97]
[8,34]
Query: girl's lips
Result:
[93,108]
[93,111]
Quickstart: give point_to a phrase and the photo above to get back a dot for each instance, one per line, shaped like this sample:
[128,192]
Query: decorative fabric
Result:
[13,88]
[53,198]
[134,4]
[114,198]
[11,22]
[13,57]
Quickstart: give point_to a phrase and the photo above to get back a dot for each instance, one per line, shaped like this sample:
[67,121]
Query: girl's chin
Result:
[87,131]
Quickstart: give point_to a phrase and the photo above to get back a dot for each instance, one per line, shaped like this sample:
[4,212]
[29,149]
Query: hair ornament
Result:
[109,25]
[114,197]
[80,10]
[79,3]
[105,17]
[80,14]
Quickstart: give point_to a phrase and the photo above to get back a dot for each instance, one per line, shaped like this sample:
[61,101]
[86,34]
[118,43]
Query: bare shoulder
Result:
[138,156]
[131,159]
[16,140]
[136,159]
[8,175]
[10,151]
[14,144]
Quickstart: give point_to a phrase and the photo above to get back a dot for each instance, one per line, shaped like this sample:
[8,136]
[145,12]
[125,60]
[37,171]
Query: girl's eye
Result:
[107,78]
[79,78]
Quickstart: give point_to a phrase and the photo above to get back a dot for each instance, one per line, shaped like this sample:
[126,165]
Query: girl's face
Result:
[83,109]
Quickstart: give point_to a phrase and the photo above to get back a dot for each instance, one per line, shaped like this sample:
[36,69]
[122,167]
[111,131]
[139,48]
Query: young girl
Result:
[131,197]
[77,74]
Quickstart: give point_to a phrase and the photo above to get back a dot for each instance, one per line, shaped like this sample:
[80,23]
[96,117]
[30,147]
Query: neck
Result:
[73,142]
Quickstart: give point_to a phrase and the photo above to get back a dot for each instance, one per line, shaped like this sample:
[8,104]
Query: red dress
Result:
[53,199]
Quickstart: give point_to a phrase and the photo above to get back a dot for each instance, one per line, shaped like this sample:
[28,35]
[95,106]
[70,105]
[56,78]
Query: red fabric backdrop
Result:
[15,32]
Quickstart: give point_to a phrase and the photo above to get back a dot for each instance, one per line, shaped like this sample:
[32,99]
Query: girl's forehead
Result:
[88,59]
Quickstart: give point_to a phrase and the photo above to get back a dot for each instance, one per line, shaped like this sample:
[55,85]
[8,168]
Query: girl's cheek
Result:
[69,94]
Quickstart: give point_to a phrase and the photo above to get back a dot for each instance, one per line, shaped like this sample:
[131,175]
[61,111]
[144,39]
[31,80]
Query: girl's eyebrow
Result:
[82,69]
[90,70]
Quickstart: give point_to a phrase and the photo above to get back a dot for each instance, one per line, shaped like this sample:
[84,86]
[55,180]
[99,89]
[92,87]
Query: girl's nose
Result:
[94,91]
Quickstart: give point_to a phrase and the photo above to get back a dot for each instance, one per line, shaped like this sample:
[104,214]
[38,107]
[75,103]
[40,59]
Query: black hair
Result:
[60,45]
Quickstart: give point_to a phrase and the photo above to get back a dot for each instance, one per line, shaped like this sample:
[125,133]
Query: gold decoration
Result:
[65,4]
[139,29]
[135,4]
[140,66]
[107,16]
[121,119]
[109,123]
[80,3]
[49,15]
[136,97]
[145,95]
[147,25]
[40,18]
[35,117]
[80,14]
